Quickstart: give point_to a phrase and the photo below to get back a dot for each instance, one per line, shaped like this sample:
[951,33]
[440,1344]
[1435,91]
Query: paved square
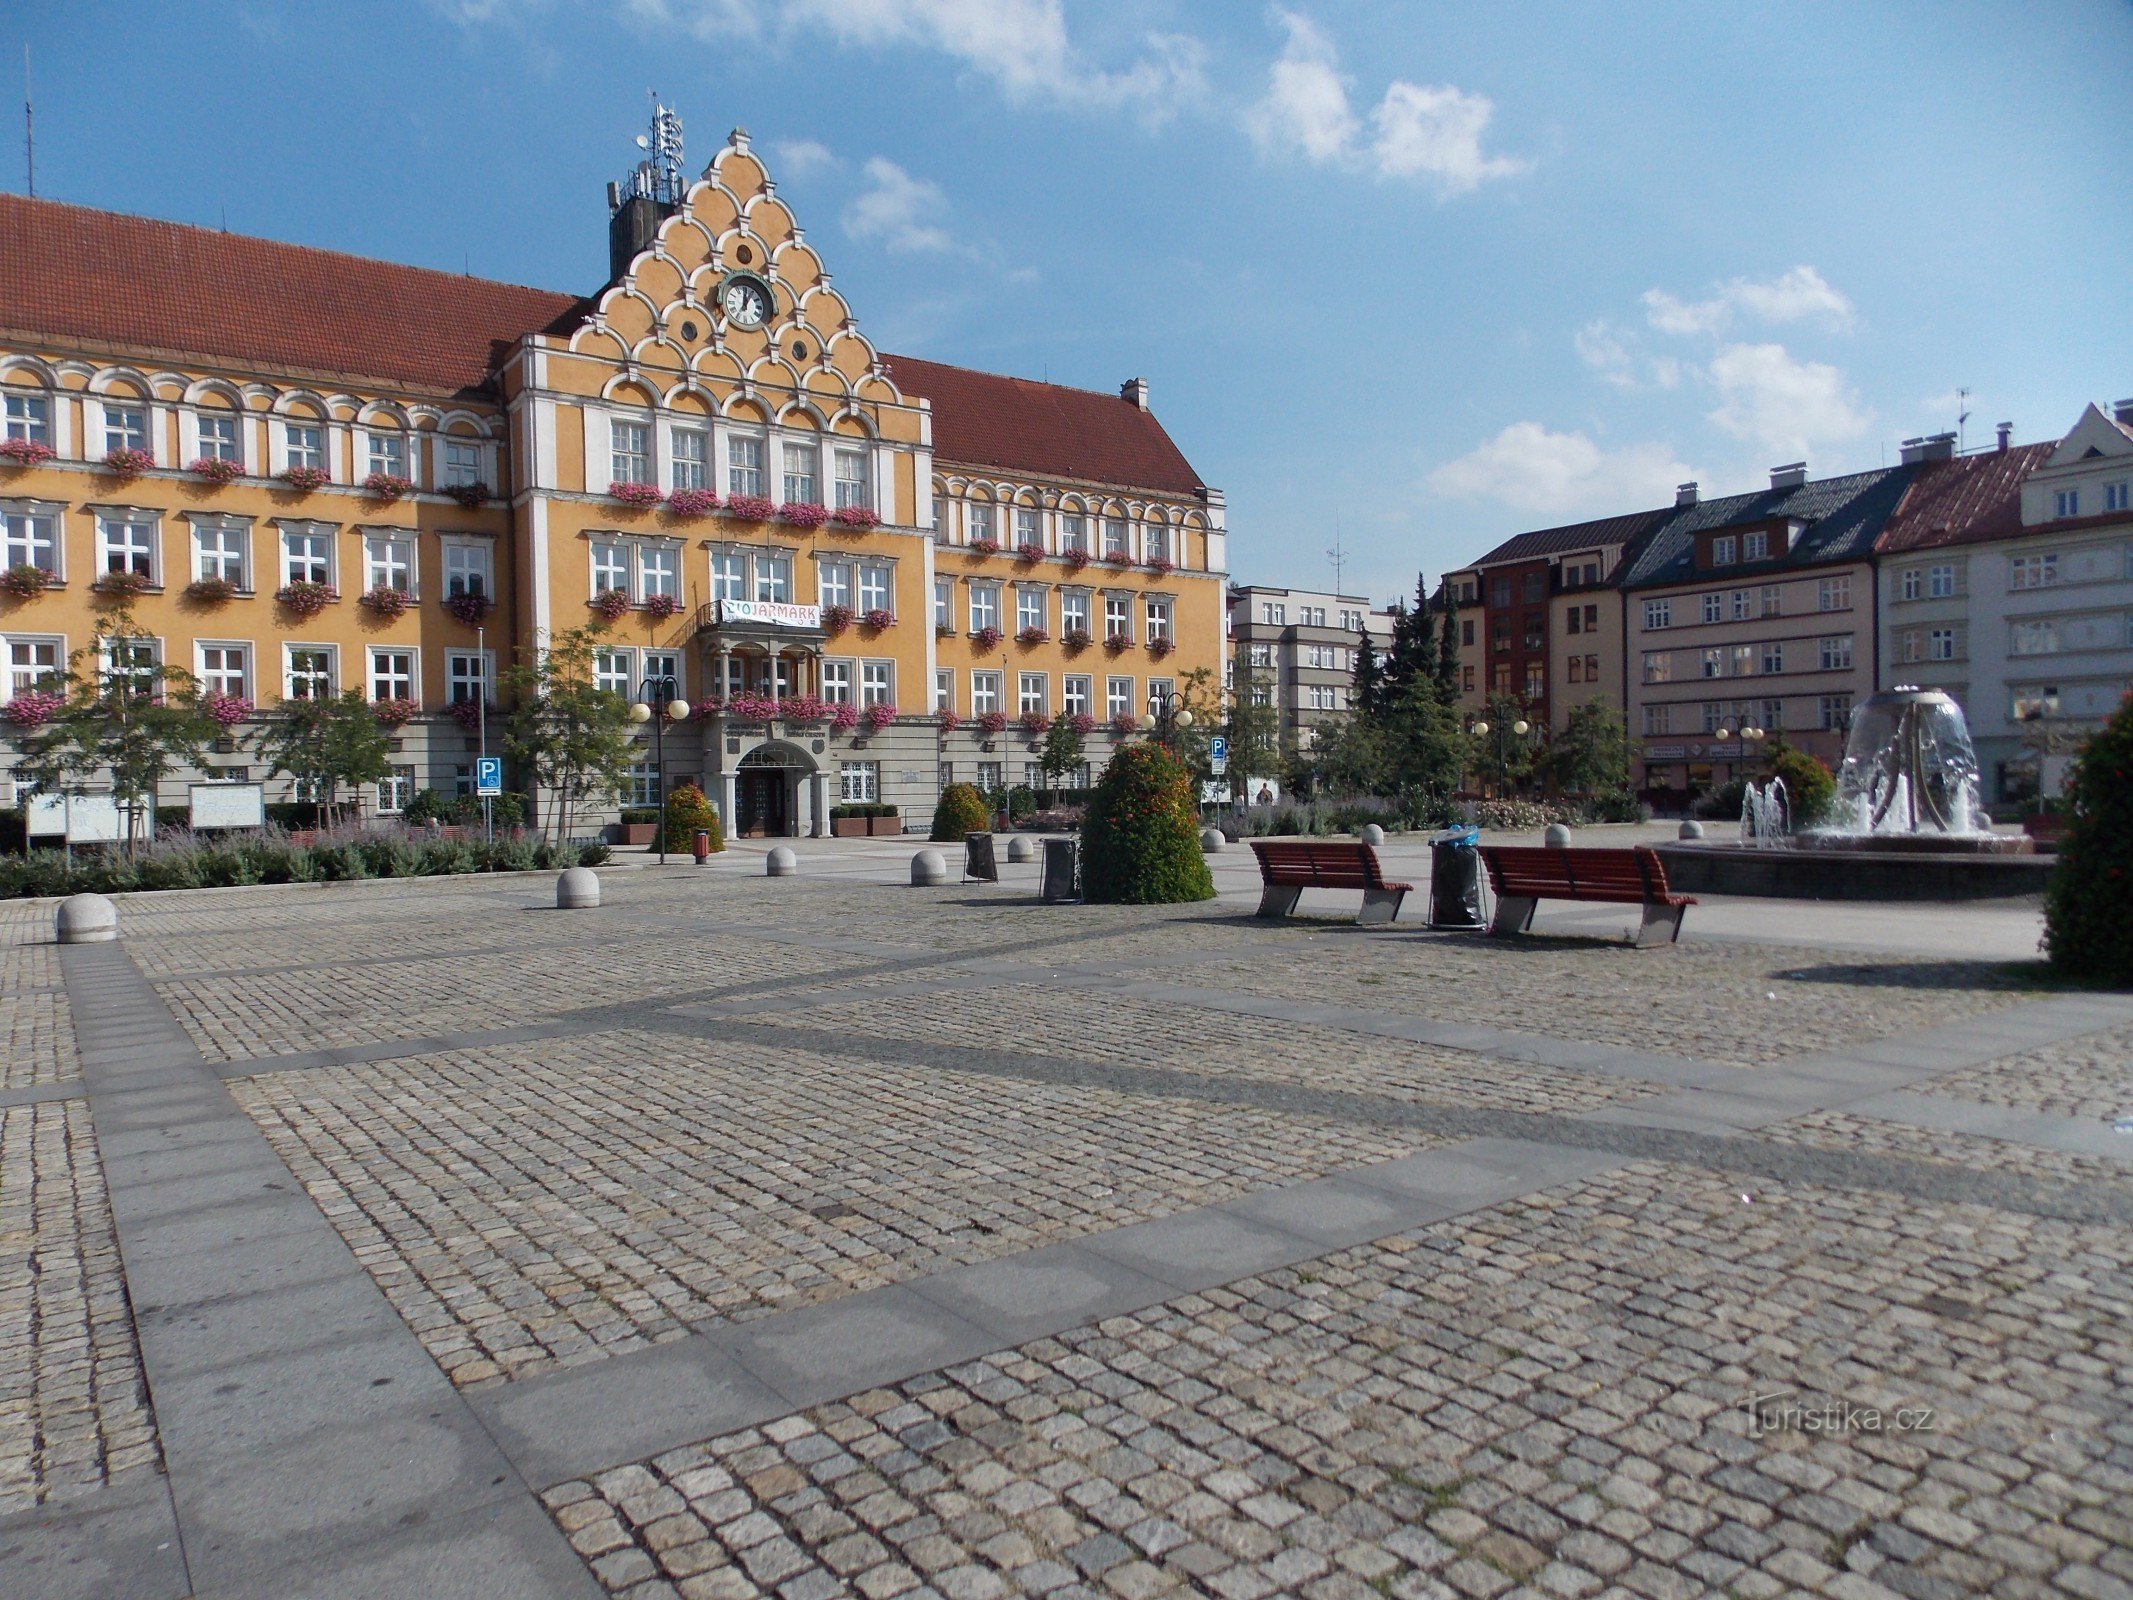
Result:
[825,1236]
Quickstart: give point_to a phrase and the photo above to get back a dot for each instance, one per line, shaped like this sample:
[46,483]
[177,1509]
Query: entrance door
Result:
[759,797]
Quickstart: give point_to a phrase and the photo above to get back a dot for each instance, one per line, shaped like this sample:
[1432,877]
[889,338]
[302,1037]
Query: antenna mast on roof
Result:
[1337,555]
[29,125]
[1962,415]
[658,175]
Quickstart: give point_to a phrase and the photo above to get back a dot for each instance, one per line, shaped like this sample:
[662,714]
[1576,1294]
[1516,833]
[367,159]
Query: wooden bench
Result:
[1289,869]
[1522,877]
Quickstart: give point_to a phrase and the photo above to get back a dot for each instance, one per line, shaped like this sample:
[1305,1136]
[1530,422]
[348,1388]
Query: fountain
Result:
[1907,822]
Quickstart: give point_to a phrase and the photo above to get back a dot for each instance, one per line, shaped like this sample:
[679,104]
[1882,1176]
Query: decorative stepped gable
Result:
[665,320]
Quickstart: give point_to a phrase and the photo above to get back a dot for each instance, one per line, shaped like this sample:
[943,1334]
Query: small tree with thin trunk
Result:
[573,739]
[326,746]
[1064,750]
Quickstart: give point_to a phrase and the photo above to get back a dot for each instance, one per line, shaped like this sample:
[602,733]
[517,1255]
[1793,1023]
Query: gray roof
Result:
[1626,529]
[1843,516]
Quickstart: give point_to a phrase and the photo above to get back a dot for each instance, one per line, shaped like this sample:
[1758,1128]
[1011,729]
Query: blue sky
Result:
[1416,275]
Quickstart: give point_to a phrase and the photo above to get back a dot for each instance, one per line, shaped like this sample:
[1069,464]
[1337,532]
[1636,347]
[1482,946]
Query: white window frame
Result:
[459,461]
[376,676]
[833,583]
[773,575]
[150,545]
[854,488]
[744,463]
[944,689]
[458,679]
[729,574]
[658,571]
[985,691]
[306,443]
[1077,693]
[468,568]
[386,553]
[1033,692]
[208,445]
[877,683]
[36,673]
[289,652]
[876,587]
[689,457]
[29,414]
[26,530]
[1658,614]
[231,549]
[385,450]
[984,606]
[214,678]
[1029,607]
[308,533]
[838,681]
[805,486]
[1118,697]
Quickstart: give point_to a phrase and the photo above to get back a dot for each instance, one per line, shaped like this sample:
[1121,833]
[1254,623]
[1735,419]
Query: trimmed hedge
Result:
[264,859]
[1140,839]
[687,811]
[959,812]
[2088,907]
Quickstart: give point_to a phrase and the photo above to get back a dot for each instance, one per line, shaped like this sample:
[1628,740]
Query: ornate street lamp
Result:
[659,702]
[1170,716]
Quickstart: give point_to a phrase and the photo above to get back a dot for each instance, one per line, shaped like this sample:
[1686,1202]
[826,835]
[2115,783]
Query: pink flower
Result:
[1031,636]
[1029,552]
[857,517]
[471,609]
[386,601]
[987,638]
[661,606]
[844,716]
[692,502]
[33,708]
[749,508]
[469,495]
[878,618]
[226,709]
[395,713]
[635,494]
[307,599]
[613,604]
[128,463]
[305,479]
[992,722]
[835,619]
[216,470]
[984,547]
[387,486]
[25,452]
[803,513]
[878,717]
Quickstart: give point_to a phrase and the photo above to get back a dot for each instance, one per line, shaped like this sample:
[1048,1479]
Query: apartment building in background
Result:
[1295,649]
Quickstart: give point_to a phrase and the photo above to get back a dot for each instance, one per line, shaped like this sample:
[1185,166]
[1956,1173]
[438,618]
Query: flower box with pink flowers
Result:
[1117,558]
[395,713]
[1124,725]
[26,452]
[387,487]
[803,513]
[835,619]
[613,604]
[1029,553]
[750,508]
[211,591]
[32,708]
[216,470]
[469,714]
[635,494]
[984,547]
[385,601]
[1033,723]
[126,463]
[692,503]
[1161,566]
[1076,640]
[992,723]
[225,710]
[471,609]
[1075,557]
[120,584]
[305,600]
[987,638]
[855,519]
[1031,636]
[878,716]
[468,495]
[659,607]
[25,581]
[878,618]
[305,479]
[1159,647]
[1116,642]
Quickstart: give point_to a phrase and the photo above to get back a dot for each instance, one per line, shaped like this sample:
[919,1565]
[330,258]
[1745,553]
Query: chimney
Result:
[1790,476]
[2006,432]
[632,227]
[2123,411]
[1933,447]
[1685,494]
[1135,390]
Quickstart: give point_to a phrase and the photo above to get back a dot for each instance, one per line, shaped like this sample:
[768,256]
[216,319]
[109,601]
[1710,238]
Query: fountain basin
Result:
[1862,867]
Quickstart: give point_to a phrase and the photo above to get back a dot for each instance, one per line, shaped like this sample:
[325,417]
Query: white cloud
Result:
[1417,131]
[1021,45]
[796,158]
[1786,405]
[1618,356]
[903,212]
[1530,469]
[1801,295]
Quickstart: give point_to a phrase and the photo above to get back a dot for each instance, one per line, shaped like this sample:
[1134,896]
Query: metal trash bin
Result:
[1062,871]
[1455,879]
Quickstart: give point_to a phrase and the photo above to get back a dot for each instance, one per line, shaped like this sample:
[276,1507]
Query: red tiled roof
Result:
[104,278]
[1574,536]
[983,420]
[1964,501]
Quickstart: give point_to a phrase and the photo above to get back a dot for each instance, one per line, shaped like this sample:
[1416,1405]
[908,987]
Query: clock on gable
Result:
[745,300]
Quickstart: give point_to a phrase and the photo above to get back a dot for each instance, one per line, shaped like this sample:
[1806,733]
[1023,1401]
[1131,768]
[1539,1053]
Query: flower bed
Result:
[750,508]
[1076,640]
[216,470]
[25,582]
[659,607]
[987,638]
[835,619]
[33,708]
[270,856]
[1075,558]
[1031,636]
[226,710]
[992,723]
[25,452]
[613,604]
[877,717]
[1030,554]
[692,503]
[305,600]
[210,591]
[387,487]
[635,494]
[396,713]
[385,601]
[856,518]
[471,609]
[469,495]
[878,618]
[305,479]
[983,547]
[803,513]
[123,583]
[127,463]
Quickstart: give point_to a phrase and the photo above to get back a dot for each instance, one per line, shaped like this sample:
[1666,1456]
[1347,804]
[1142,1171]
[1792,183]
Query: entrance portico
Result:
[776,791]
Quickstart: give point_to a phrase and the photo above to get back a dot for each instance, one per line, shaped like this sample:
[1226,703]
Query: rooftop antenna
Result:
[1962,415]
[1337,555]
[29,125]
[658,175]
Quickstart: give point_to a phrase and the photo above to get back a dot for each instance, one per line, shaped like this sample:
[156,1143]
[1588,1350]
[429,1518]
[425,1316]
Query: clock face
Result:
[745,301]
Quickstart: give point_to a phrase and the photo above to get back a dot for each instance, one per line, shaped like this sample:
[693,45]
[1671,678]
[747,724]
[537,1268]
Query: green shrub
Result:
[1723,802]
[596,854]
[1810,788]
[960,811]
[1140,839]
[2088,907]
[640,814]
[339,863]
[688,810]
[427,805]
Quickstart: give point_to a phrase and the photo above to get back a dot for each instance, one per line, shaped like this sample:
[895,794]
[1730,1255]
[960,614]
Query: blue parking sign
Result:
[488,776]
[1218,752]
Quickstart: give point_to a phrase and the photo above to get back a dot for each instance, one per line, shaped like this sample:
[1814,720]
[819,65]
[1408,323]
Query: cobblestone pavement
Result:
[74,1410]
[1839,1130]
[35,1025]
[1547,1399]
[2091,1077]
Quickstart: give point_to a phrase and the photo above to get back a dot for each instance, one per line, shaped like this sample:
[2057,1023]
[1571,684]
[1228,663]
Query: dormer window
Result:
[1755,546]
[1724,550]
[2067,503]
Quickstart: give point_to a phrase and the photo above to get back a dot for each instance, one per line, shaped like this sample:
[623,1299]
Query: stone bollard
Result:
[929,868]
[87,919]
[1211,841]
[781,863]
[1557,837]
[1691,829]
[1373,835]
[578,889]
[1021,847]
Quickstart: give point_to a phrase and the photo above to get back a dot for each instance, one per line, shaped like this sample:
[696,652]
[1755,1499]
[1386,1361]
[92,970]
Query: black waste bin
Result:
[1062,870]
[1455,879]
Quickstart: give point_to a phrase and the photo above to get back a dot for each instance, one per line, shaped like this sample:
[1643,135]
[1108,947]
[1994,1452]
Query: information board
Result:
[228,805]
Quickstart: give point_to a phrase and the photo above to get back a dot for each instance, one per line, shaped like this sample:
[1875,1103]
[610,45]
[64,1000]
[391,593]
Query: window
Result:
[1577,669]
[613,671]
[773,576]
[218,437]
[1739,605]
[1029,527]
[1466,680]
[1158,620]
[1592,669]
[1724,550]
[1276,614]
[1771,715]
[661,665]
[131,665]
[1032,692]
[984,693]
[1714,608]
[1773,600]
[1075,695]
[1658,667]
[396,791]
[851,468]
[1836,711]
[1837,653]
[388,453]
[1912,584]
[1536,632]
[1774,656]
[947,775]
[1940,582]
[1073,534]
[1074,613]
[466,568]
[224,669]
[32,664]
[2040,638]
[876,683]
[629,452]
[1740,660]
[1499,593]
[2117,496]
[1940,644]
[800,462]
[1114,537]
[837,682]
[1118,697]
[729,575]
[218,553]
[1714,663]
[1755,545]
[1159,690]
[984,606]
[1658,719]
[1158,537]
[658,571]
[1910,645]
[29,416]
[944,690]
[642,789]
[1466,632]
[1536,681]
[859,782]
[1029,609]
[1577,621]
[125,426]
[389,562]
[834,581]
[1658,613]
[1033,774]
[2065,503]
[1834,594]
[127,543]
[991,776]
[977,523]
[692,458]
[392,674]
[944,603]
[744,465]
[305,443]
[2033,572]
[466,677]
[307,671]
[306,555]
[461,464]
[1118,616]
[32,540]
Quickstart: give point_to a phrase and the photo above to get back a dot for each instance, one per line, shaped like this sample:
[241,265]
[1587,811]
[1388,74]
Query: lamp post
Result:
[659,702]
[1501,746]
[1170,715]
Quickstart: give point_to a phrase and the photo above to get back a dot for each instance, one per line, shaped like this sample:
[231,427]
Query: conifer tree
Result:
[1367,691]
[1447,665]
